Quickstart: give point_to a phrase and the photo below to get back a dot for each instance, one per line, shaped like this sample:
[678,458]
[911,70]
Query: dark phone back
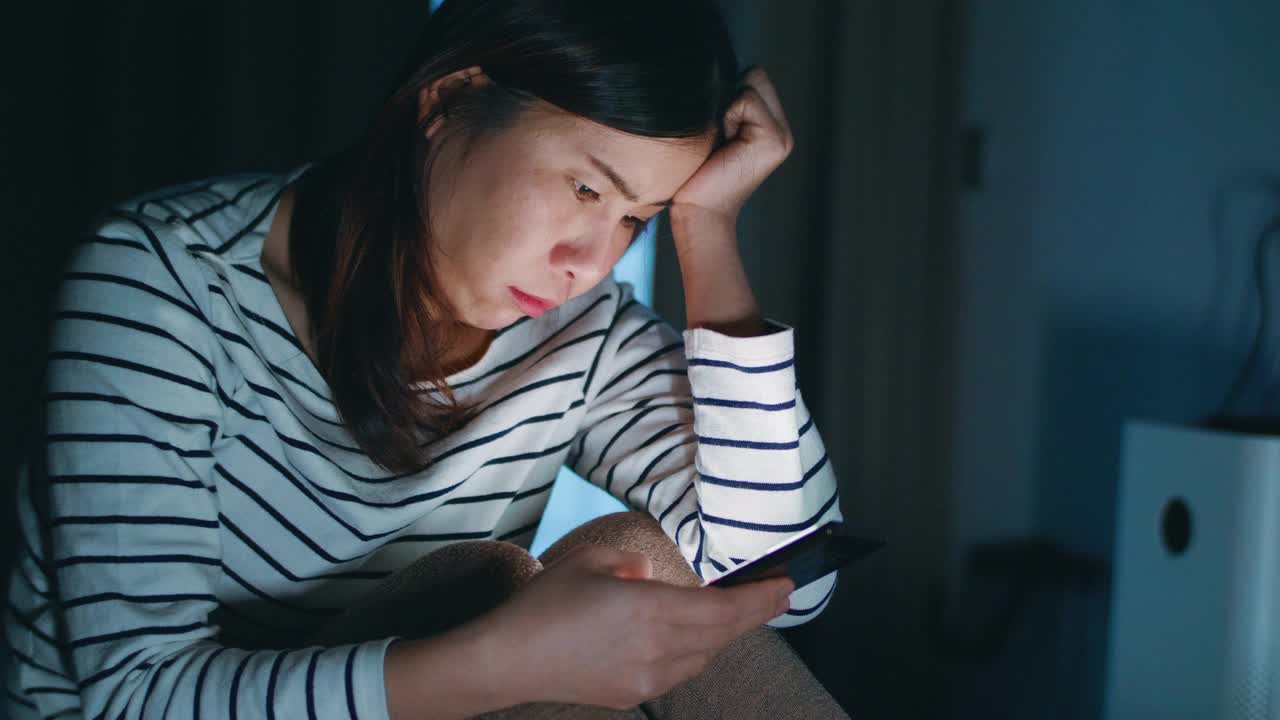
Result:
[829,548]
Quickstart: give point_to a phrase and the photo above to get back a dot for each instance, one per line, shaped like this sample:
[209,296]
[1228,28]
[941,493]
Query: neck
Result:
[467,344]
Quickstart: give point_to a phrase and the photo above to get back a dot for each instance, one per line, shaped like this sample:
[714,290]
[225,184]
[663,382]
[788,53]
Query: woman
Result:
[301,428]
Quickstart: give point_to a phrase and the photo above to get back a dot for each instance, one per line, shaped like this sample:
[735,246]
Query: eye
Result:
[584,192]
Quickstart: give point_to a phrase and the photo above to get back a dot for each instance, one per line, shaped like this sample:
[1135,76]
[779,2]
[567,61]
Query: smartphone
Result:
[804,557]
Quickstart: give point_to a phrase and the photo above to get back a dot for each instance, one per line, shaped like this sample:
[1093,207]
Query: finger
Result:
[733,117]
[761,601]
[754,113]
[758,80]
[741,606]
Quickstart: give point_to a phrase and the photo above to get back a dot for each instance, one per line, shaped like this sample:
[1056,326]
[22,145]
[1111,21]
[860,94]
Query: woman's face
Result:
[526,217]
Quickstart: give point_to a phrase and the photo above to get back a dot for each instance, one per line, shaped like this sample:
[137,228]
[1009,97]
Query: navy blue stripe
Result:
[275,369]
[272,677]
[117,400]
[744,404]
[151,686]
[648,324]
[351,691]
[529,455]
[647,359]
[221,204]
[674,504]
[286,474]
[138,632]
[280,568]
[107,596]
[533,491]
[283,332]
[131,283]
[716,565]
[520,531]
[569,343]
[19,699]
[595,361]
[248,228]
[534,386]
[280,518]
[644,475]
[626,426]
[805,427]
[158,249]
[134,325]
[743,368]
[204,670]
[235,686]
[127,365]
[441,537]
[766,527]
[120,242]
[680,525]
[316,611]
[120,438]
[502,331]
[766,486]
[107,672]
[49,690]
[657,373]
[131,520]
[180,191]
[133,560]
[247,270]
[346,496]
[311,684]
[748,444]
[520,358]
[126,480]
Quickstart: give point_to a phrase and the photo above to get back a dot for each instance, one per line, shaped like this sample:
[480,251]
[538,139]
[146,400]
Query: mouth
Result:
[531,305]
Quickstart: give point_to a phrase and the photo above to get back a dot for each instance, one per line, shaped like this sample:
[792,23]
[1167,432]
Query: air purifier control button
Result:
[1175,526]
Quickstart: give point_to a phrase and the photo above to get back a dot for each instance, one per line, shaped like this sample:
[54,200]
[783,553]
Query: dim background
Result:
[1006,228]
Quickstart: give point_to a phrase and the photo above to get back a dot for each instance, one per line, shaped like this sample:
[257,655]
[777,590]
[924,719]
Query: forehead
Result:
[653,167]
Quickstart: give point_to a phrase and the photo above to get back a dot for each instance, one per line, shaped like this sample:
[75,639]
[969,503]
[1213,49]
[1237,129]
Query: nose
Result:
[583,259]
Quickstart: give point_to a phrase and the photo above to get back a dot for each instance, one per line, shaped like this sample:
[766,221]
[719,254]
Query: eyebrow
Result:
[619,183]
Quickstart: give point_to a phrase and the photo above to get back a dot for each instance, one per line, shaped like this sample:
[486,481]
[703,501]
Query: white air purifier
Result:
[1194,629]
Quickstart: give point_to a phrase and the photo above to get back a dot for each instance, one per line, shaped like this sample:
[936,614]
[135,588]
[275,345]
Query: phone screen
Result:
[804,557]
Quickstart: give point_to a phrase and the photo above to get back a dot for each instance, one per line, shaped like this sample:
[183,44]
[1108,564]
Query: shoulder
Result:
[131,291]
[210,214]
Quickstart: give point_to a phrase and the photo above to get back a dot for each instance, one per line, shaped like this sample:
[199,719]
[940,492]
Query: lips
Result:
[531,305]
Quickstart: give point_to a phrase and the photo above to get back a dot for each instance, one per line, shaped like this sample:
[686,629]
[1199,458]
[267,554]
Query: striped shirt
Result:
[206,510]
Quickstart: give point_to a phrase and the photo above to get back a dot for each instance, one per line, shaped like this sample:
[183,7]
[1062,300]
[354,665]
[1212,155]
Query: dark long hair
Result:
[359,235]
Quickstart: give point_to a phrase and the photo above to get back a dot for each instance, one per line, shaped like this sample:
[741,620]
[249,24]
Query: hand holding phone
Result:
[804,557]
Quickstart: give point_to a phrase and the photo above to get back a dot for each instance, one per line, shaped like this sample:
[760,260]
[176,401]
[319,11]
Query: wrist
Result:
[694,227]
[457,674]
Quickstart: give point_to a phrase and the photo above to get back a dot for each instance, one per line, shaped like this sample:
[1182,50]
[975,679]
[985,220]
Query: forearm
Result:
[717,293]
[455,674]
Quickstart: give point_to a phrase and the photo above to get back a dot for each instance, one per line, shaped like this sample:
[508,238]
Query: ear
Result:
[433,94]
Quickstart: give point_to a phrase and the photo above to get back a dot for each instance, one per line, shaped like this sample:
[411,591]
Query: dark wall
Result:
[107,100]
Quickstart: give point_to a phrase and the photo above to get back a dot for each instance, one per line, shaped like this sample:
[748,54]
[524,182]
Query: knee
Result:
[633,531]
[439,590]
[498,567]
